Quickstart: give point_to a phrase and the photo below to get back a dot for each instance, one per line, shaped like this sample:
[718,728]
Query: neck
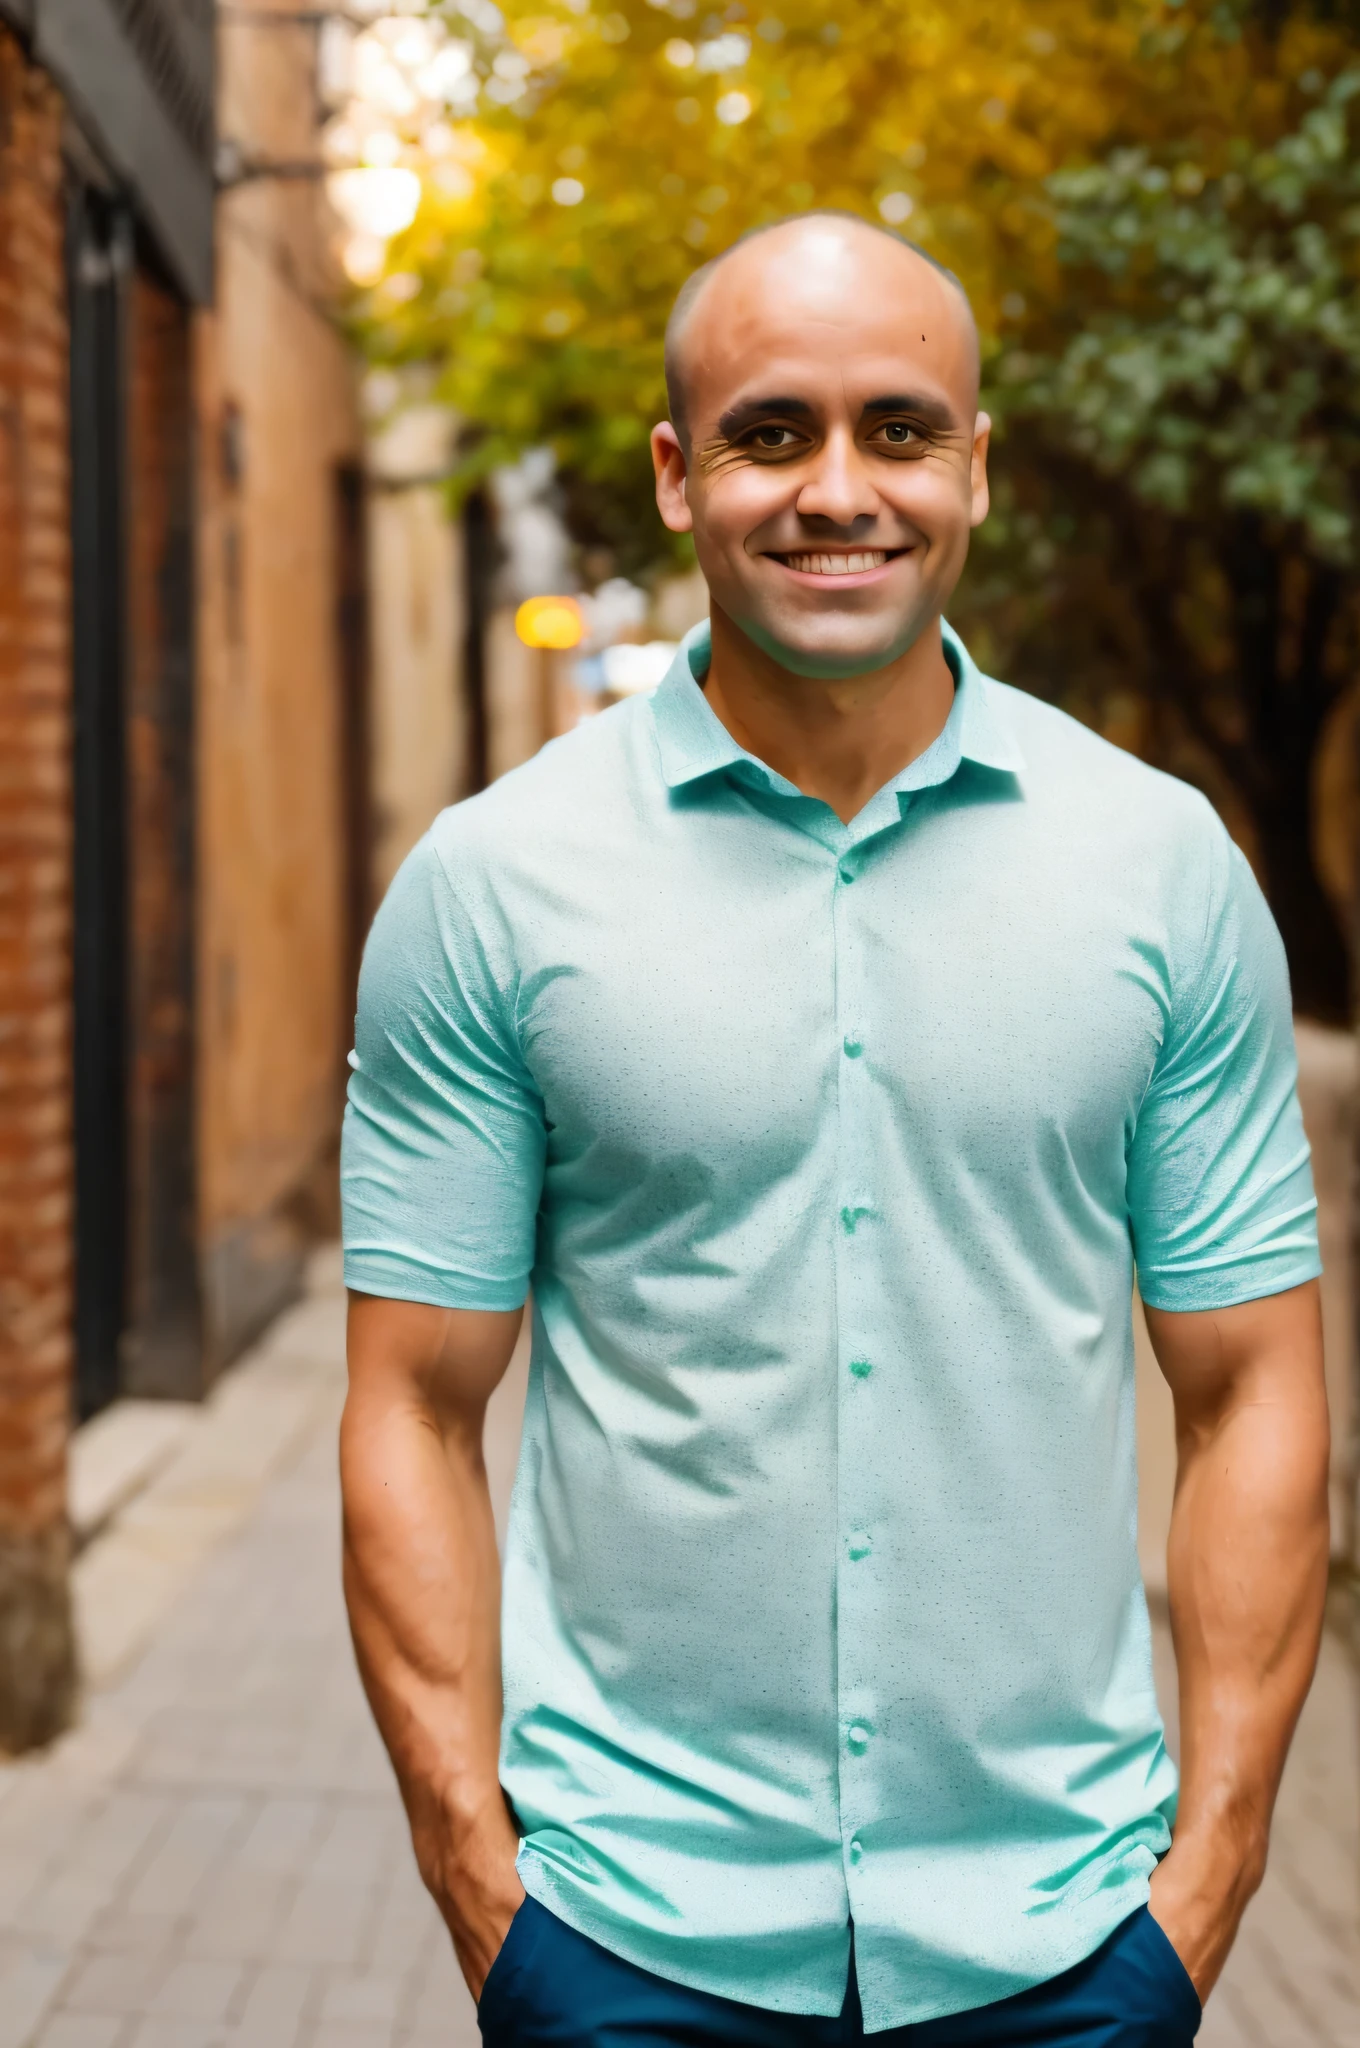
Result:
[840,739]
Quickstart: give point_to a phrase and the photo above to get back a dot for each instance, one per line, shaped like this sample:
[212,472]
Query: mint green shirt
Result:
[829,1152]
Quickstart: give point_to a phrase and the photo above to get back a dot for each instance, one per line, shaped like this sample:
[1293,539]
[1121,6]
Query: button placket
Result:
[854,1233]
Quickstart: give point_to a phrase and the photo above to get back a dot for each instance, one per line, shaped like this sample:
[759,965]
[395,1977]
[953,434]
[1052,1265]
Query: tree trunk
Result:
[1285,693]
[1319,966]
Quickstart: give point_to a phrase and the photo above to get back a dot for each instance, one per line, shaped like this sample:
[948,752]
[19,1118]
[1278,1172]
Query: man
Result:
[825,1039]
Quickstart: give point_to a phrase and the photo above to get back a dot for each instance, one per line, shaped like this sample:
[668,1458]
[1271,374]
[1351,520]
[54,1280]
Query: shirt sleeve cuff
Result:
[396,1279]
[1228,1285]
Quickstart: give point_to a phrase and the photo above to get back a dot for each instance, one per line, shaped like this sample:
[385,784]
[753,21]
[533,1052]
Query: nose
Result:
[839,490]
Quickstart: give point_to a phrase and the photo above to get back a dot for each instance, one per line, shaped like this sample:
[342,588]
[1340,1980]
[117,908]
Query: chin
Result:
[832,653]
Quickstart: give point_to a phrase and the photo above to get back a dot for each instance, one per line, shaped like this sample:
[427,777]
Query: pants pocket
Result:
[502,1967]
[1184,2008]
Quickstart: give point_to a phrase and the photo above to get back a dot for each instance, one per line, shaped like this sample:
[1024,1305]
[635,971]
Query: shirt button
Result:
[856,1850]
[853,1048]
[858,1737]
[859,1546]
[861,1367]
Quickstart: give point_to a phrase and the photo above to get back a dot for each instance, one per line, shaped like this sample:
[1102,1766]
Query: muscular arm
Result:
[422,1583]
[1246,1579]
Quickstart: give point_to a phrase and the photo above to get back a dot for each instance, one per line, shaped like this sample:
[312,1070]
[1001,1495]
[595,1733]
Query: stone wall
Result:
[36,1656]
[419,712]
[278,429]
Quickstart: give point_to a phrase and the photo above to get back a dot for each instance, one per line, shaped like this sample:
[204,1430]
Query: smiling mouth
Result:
[823,564]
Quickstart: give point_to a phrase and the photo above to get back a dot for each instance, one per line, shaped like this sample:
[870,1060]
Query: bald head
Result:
[825,448]
[787,246]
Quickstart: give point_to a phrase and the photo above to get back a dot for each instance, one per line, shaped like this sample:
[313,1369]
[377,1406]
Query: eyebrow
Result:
[747,412]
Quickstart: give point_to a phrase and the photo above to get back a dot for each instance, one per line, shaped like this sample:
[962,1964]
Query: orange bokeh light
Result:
[550,622]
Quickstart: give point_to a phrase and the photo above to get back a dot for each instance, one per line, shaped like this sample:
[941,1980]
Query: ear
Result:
[672,472]
[982,497]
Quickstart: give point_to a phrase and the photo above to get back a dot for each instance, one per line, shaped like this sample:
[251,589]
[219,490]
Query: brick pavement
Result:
[217,1857]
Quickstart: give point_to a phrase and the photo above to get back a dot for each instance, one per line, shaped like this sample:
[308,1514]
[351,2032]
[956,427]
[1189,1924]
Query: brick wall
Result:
[36,1657]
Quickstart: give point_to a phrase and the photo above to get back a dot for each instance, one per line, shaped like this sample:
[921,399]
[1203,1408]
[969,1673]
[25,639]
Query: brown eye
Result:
[771,437]
[898,432]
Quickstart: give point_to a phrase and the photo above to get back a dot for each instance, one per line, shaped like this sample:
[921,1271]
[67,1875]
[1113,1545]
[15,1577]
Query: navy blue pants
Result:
[551,1985]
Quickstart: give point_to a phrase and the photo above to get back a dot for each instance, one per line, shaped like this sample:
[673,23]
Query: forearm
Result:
[422,1583]
[1246,1580]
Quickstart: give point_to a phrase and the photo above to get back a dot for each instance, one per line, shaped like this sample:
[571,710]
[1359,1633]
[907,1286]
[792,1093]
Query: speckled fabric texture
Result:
[828,1152]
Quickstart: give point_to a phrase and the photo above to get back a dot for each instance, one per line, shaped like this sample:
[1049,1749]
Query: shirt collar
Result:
[694,742]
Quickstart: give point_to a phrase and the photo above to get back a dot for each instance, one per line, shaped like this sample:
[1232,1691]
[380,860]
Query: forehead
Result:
[825,309]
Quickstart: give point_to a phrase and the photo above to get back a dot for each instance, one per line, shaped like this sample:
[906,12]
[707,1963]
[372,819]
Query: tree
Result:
[609,152]
[1121,185]
[1200,427]
[625,146]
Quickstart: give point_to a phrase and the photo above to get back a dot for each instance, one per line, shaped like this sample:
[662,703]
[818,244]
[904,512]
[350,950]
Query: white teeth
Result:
[838,565]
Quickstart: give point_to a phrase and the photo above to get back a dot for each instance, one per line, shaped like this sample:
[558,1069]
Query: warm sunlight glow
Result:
[375,202]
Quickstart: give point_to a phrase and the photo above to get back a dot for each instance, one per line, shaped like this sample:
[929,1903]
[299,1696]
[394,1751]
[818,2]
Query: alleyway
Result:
[217,1856]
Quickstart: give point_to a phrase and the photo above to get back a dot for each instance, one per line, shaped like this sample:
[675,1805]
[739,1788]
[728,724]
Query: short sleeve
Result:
[442,1154]
[1221,1199]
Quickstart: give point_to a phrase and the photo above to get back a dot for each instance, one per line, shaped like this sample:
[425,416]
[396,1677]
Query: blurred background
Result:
[329,345]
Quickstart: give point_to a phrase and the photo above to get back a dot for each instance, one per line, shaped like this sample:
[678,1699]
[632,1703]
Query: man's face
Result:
[837,461]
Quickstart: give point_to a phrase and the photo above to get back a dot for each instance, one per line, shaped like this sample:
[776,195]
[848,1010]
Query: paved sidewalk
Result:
[217,1858]
[218,1855]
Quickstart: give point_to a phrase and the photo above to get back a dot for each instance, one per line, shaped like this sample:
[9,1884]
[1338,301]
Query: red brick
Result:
[35,825]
